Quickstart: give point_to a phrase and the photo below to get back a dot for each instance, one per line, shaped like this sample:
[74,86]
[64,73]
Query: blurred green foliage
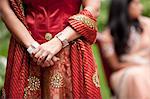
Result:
[2,74]
[146,5]
[4,39]
[102,20]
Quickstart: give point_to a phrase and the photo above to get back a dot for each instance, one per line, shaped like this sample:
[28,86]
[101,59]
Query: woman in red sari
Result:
[50,54]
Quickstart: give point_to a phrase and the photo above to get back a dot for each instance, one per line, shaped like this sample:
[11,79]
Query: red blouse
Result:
[46,18]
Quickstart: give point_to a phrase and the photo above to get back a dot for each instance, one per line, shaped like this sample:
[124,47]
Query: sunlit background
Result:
[5,35]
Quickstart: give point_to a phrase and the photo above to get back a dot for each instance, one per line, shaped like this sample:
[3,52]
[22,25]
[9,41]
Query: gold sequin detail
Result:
[25,92]
[34,83]
[86,20]
[48,36]
[96,79]
[57,80]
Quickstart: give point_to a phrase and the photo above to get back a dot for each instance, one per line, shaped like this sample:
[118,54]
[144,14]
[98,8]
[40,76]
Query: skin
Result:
[135,10]
[44,55]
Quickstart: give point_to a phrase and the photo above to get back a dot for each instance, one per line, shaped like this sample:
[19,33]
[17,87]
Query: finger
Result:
[48,60]
[46,64]
[42,57]
[34,59]
[38,55]
[35,51]
[55,59]
[51,63]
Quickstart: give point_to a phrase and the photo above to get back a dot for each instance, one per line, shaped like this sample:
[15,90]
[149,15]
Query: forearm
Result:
[16,26]
[93,7]
[70,34]
[122,65]
[115,64]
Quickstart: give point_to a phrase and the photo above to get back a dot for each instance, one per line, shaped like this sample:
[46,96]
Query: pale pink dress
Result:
[132,82]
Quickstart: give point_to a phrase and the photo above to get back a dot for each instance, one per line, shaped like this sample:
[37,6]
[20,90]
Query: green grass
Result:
[4,39]
[4,47]
[2,75]
[104,87]
[4,42]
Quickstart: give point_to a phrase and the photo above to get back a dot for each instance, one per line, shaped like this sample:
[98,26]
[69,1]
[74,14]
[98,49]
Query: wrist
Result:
[59,43]
[29,43]
[62,39]
[32,47]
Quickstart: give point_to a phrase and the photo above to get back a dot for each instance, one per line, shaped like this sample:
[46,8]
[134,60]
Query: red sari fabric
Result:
[50,16]
[74,76]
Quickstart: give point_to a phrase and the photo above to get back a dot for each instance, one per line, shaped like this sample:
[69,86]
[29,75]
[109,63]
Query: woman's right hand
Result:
[15,26]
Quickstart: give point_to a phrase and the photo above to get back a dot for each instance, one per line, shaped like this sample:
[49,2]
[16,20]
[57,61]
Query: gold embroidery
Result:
[25,92]
[34,83]
[57,80]
[86,20]
[48,36]
[96,79]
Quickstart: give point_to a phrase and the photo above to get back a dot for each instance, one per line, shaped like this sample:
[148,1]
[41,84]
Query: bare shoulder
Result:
[145,21]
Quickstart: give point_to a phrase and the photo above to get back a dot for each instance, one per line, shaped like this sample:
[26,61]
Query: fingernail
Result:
[58,59]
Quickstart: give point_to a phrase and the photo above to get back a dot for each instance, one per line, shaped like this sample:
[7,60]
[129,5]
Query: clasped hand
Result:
[44,55]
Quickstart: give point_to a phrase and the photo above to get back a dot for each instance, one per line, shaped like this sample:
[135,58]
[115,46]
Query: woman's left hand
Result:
[45,52]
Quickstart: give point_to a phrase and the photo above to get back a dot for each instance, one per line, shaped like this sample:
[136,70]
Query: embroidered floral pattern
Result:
[96,79]
[57,80]
[25,93]
[33,86]
[34,83]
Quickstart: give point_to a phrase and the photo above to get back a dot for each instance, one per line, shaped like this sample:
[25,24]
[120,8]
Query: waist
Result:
[45,26]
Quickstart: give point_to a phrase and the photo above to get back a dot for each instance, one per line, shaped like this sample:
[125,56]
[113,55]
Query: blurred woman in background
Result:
[50,55]
[126,46]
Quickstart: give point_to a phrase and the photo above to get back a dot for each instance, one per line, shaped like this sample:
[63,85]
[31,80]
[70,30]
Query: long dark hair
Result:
[119,23]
